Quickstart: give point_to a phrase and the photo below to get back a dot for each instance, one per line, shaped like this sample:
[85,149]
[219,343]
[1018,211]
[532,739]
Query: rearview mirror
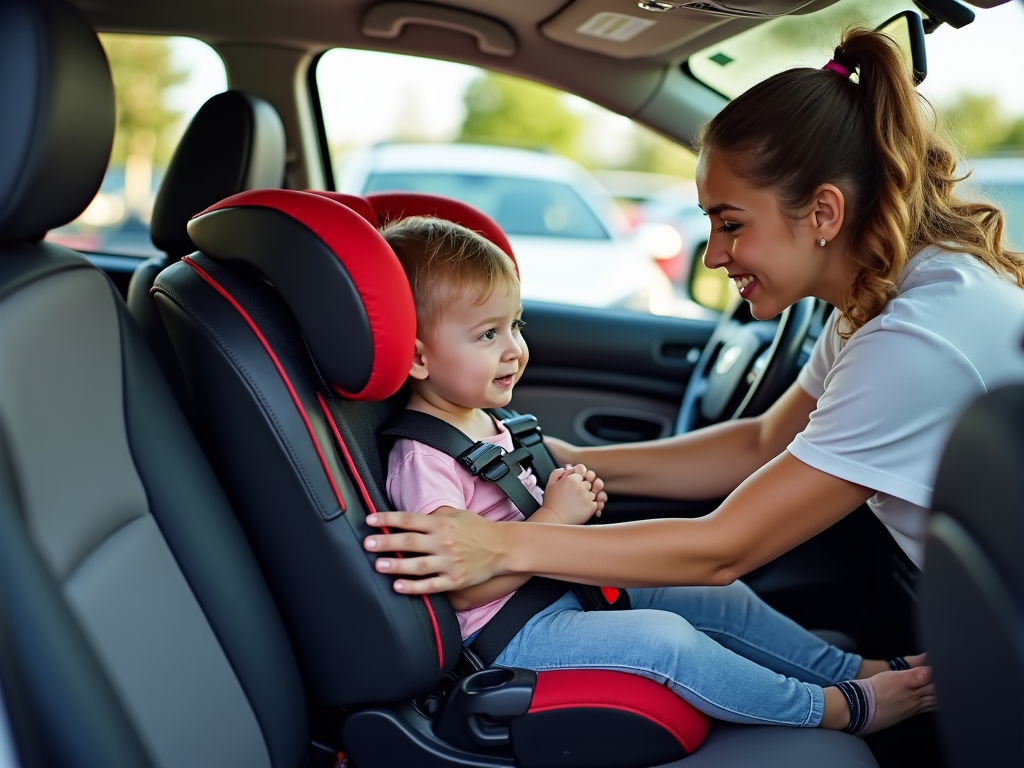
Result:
[907,30]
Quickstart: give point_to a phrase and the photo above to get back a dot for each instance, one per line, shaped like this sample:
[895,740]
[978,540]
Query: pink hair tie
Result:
[837,68]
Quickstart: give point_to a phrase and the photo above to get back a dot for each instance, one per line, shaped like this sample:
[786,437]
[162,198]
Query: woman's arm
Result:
[499,586]
[783,504]
[708,463]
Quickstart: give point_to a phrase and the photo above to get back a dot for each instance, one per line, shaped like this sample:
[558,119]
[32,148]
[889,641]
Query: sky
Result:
[984,57]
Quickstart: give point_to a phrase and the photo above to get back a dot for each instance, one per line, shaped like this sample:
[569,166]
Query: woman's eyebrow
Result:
[716,209]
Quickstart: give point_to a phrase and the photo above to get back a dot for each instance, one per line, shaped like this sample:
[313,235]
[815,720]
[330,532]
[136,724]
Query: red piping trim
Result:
[280,369]
[370,506]
[619,707]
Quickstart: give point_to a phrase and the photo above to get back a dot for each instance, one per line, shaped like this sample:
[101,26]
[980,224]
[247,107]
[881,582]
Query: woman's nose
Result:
[716,255]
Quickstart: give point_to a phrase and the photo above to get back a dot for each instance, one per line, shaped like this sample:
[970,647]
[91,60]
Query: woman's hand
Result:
[461,547]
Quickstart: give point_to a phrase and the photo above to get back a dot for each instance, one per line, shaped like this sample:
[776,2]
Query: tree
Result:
[979,126]
[142,71]
[513,111]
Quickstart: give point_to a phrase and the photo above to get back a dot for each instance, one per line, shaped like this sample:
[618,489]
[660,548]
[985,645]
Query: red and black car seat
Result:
[294,327]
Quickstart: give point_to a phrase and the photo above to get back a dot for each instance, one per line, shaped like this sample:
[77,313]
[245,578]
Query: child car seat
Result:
[294,326]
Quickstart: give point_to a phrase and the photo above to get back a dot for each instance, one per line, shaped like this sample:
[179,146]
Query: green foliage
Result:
[142,71]
[980,127]
[513,111]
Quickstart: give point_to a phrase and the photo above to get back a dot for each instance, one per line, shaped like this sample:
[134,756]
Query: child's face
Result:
[773,259]
[475,355]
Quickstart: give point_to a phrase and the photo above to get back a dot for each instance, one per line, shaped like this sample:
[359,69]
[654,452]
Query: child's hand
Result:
[570,495]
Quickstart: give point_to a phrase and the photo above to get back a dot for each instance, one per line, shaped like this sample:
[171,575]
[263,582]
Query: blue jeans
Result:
[722,649]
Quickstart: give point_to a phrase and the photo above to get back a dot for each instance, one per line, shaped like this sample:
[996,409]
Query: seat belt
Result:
[494,464]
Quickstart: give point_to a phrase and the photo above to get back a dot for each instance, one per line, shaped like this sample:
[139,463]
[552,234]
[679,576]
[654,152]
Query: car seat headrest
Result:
[392,206]
[338,276]
[58,116]
[358,204]
[234,143]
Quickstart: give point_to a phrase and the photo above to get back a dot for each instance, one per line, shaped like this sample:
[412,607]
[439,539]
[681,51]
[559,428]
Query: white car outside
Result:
[571,241]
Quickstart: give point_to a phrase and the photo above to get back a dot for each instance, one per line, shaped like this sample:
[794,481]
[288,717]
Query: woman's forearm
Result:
[705,464]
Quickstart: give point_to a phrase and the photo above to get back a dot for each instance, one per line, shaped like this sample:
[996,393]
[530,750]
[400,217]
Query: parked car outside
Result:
[677,207]
[1001,181]
[556,216]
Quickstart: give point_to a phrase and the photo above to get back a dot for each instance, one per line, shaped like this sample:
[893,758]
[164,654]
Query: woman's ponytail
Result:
[863,127]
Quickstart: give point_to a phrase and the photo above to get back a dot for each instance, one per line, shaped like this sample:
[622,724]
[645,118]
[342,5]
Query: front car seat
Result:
[235,142]
[972,589]
[293,326]
[135,625]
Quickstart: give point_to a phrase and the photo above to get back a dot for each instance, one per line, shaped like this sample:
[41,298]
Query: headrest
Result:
[340,278]
[356,203]
[392,206]
[234,143]
[58,116]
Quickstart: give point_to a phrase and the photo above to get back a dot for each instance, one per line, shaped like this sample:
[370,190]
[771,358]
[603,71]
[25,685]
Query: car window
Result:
[531,207]
[159,84]
[565,179]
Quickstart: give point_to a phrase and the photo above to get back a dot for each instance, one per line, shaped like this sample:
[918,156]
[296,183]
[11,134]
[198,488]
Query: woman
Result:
[816,184]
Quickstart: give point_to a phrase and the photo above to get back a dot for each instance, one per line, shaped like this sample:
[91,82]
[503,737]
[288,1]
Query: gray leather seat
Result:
[234,142]
[972,591]
[135,626]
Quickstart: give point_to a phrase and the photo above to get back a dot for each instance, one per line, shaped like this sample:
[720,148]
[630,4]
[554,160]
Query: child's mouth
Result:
[504,381]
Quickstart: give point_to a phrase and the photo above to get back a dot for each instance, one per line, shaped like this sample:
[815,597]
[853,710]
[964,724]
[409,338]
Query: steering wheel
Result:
[747,364]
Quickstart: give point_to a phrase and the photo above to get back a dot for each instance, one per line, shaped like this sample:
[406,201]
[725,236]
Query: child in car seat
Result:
[721,649]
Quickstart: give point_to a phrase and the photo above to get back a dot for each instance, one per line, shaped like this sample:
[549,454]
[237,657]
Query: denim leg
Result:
[745,624]
[664,647]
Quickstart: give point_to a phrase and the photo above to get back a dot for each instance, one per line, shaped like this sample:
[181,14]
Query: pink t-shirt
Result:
[422,479]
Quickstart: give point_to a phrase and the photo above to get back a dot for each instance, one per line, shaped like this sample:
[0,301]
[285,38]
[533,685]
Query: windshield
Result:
[734,65]
[520,206]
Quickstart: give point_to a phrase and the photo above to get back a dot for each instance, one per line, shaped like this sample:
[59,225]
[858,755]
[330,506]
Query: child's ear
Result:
[418,369]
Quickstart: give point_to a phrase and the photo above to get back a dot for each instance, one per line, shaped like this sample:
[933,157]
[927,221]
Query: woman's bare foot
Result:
[898,695]
[871,667]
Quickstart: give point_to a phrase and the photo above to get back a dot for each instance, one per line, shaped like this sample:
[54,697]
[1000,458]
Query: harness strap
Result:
[529,600]
[482,459]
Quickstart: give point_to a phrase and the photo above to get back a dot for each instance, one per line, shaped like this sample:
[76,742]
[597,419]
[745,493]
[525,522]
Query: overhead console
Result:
[626,29]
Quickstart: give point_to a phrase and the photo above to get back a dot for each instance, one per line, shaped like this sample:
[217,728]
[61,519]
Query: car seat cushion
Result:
[394,206]
[341,280]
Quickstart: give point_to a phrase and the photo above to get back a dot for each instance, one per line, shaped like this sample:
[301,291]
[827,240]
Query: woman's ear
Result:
[828,212]
[418,369]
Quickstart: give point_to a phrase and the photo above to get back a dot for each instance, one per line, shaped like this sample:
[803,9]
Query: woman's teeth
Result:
[743,281]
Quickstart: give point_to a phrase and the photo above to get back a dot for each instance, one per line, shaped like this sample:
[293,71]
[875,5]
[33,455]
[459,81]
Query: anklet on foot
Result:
[860,697]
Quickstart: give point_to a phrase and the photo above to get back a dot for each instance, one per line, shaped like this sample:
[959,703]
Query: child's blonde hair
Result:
[445,262]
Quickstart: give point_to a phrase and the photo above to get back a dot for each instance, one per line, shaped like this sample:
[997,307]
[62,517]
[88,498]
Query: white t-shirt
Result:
[889,397]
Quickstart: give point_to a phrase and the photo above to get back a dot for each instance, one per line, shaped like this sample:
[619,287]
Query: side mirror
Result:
[907,30]
[710,288]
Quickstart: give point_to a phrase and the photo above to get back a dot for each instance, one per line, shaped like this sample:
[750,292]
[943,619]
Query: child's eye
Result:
[518,324]
[489,334]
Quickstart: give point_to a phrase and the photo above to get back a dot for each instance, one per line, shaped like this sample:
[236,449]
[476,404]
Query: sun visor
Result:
[629,31]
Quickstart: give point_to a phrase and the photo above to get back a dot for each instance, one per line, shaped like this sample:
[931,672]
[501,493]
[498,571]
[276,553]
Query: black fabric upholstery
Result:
[972,590]
[203,533]
[235,142]
[338,609]
[58,116]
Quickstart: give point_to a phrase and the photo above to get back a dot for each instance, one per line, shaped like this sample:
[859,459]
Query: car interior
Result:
[189,443]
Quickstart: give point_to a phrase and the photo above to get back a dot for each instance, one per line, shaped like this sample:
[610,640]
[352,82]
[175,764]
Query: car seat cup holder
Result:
[476,713]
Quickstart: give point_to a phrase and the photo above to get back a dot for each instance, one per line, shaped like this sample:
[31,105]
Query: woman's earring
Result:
[822,242]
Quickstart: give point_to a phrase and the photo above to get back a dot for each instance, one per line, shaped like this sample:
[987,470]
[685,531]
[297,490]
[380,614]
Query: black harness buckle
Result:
[524,428]
[485,459]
